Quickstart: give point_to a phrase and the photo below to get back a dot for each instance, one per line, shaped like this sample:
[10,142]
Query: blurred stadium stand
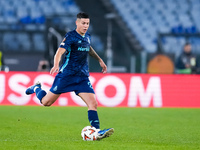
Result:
[147,18]
[140,29]
[24,30]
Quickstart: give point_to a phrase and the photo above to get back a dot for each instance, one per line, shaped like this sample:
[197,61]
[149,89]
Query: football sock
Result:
[93,118]
[40,93]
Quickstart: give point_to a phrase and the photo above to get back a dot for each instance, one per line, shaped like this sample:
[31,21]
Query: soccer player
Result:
[73,73]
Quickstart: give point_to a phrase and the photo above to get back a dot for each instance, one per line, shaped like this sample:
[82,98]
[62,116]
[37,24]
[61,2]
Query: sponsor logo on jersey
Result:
[79,41]
[83,49]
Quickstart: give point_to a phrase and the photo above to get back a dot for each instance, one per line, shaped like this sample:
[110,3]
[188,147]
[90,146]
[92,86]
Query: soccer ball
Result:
[89,133]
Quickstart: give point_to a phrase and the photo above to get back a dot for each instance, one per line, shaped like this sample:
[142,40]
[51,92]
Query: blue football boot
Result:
[30,90]
[105,133]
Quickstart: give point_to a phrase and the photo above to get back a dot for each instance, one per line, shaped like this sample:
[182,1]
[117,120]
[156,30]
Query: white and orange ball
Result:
[89,133]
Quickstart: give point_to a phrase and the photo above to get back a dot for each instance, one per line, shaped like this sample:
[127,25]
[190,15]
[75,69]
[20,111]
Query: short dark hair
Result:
[187,43]
[82,15]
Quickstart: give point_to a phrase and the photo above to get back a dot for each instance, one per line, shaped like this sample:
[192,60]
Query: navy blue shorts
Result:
[78,84]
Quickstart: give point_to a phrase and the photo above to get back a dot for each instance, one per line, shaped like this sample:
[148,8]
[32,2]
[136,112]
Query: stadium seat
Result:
[31,15]
[38,42]
[147,18]
[21,37]
[6,41]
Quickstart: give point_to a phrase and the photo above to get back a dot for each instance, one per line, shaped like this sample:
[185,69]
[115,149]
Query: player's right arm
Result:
[57,59]
[65,44]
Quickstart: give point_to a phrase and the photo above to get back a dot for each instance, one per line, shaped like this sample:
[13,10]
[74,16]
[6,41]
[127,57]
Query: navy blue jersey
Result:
[77,48]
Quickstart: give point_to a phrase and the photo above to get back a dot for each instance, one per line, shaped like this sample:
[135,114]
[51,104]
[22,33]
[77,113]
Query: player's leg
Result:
[90,100]
[47,99]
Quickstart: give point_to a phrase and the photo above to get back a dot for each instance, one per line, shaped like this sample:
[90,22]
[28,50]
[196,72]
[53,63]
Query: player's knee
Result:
[93,105]
[46,104]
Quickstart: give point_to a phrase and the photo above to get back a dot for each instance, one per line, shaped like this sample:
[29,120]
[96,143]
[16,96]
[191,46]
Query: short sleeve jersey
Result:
[77,48]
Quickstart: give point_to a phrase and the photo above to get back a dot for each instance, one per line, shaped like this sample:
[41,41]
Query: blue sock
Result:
[40,93]
[93,118]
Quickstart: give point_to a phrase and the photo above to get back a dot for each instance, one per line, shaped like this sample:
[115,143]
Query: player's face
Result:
[82,25]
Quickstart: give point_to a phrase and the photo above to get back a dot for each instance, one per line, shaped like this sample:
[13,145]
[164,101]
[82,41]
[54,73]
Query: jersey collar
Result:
[79,34]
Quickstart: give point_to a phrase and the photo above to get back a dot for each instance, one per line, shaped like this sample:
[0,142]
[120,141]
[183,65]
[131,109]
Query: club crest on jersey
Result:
[79,41]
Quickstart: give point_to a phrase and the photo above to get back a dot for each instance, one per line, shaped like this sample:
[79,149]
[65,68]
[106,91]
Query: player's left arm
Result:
[96,56]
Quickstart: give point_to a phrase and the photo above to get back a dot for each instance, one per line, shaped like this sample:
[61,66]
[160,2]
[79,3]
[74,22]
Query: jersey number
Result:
[90,85]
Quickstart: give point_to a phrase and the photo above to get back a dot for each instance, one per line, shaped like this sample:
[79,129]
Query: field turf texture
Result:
[59,128]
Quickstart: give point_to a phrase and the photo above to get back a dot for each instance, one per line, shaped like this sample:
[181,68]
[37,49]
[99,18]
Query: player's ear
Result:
[77,21]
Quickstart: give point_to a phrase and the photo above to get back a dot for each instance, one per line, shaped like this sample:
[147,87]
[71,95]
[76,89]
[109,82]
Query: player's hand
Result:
[103,65]
[54,70]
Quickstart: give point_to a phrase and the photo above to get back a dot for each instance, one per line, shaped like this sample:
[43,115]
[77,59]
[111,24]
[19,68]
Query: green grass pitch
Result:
[58,128]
